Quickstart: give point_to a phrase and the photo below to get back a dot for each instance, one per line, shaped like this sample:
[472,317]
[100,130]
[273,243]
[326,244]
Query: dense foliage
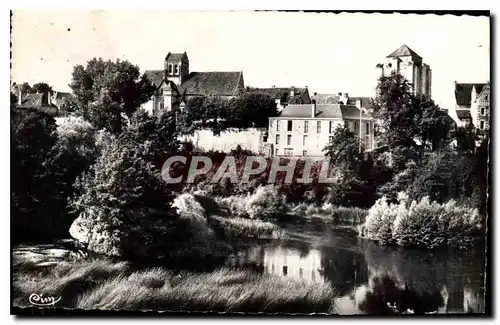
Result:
[106,92]
[423,223]
[219,114]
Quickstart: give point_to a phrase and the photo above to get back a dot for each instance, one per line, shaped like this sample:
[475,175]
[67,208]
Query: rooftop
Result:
[404,50]
[463,92]
[326,111]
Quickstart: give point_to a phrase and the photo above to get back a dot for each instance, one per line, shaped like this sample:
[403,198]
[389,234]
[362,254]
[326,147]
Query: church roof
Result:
[212,83]
[329,111]
[404,50]
[463,92]
[176,57]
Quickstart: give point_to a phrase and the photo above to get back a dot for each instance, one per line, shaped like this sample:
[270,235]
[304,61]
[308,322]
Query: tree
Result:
[252,110]
[26,88]
[107,92]
[119,200]
[344,150]
[42,88]
[156,135]
[34,217]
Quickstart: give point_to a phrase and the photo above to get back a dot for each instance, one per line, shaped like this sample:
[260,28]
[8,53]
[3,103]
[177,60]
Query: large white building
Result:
[406,62]
[305,130]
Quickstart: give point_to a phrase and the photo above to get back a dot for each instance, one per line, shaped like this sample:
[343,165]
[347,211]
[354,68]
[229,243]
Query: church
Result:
[175,84]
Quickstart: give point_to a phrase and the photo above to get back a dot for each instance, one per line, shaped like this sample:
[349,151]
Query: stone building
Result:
[176,84]
[409,64]
[305,130]
[471,104]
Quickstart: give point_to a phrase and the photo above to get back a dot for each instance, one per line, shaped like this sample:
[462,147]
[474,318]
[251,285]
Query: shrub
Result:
[421,223]
[266,203]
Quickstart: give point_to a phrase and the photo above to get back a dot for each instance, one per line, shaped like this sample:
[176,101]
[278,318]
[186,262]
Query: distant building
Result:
[466,110]
[60,99]
[409,64]
[305,130]
[175,84]
[363,103]
[39,101]
[285,96]
[480,109]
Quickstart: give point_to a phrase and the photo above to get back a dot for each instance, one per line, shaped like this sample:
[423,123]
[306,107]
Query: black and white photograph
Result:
[250,162]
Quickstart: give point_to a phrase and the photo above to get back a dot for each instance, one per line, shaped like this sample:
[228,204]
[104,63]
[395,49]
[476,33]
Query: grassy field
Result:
[103,284]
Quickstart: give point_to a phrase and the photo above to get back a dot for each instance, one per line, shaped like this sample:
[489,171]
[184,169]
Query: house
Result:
[480,109]
[285,96]
[39,101]
[466,105]
[305,130]
[409,64]
[60,99]
[176,84]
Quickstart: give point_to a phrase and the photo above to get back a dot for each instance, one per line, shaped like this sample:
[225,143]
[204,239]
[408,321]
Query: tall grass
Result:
[102,284]
[330,213]
[247,228]
[219,291]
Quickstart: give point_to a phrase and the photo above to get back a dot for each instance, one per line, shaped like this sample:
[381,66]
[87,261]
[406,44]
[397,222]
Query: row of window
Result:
[304,139]
[318,126]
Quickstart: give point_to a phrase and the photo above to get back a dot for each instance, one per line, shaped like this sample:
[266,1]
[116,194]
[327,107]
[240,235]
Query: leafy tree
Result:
[156,135]
[120,198]
[407,117]
[345,150]
[42,87]
[106,92]
[26,88]
[32,139]
[218,114]
[252,110]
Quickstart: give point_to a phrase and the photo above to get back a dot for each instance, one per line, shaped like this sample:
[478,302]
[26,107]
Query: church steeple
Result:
[177,67]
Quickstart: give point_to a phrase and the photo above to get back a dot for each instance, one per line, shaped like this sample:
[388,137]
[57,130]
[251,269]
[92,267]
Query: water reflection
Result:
[376,280]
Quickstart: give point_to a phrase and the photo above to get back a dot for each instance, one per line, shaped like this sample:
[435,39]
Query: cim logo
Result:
[41,301]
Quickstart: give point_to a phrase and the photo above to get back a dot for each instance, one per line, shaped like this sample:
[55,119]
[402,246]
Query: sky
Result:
[327,52]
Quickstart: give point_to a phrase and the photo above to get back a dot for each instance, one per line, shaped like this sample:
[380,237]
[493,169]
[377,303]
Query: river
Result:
[372,279]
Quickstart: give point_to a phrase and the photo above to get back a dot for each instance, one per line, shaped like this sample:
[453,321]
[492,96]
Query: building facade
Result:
[305,130]
[406,62]
[468,97]
[480,109]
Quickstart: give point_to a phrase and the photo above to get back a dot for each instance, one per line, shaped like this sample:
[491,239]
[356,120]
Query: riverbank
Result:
[108,285]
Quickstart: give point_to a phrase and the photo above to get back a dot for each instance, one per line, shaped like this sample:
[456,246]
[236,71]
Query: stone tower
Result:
[176,67]
[409,64]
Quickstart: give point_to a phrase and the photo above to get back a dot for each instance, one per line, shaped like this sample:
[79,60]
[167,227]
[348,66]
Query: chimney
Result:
[313,108]
[19,96]
[292,91]
[45,98]
[358,103]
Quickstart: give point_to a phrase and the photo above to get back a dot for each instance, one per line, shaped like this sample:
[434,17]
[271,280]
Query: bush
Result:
[266,203]
[122,203]
[421,223]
